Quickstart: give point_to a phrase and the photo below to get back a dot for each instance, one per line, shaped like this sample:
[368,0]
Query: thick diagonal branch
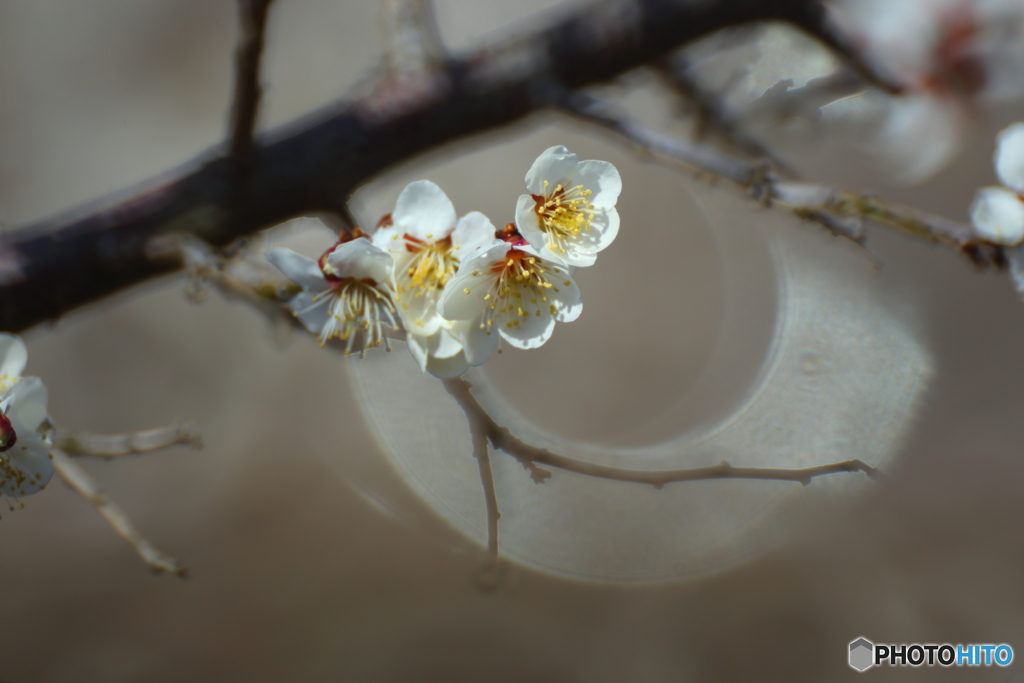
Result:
[312,165]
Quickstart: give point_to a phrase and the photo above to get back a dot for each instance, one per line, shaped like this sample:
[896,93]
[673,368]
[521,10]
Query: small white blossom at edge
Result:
[26,465]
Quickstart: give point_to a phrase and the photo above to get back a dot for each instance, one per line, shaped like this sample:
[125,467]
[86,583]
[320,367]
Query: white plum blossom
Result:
[509,289]
[998,212]
[428,244]
[26,465]
[569,214]
[348,293]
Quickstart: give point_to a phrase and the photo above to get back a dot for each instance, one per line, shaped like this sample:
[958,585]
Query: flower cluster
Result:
[26,465]
[457,286]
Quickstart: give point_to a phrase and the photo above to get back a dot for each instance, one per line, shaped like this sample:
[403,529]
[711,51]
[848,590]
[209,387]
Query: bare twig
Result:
[132,443]
[530,456]
[489,577]
[85,486]
[253,23]
[54,266]
[260,287]
[824,205]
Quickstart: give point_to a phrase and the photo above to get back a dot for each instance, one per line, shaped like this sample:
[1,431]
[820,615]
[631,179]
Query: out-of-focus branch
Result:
[85,486]
[830,207]
[531,457]
[253,24]
[711,114]
[312,165]
[132,443]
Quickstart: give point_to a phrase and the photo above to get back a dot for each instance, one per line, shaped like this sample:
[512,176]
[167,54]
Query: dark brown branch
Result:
[312,165]
[253,23]
[531,457]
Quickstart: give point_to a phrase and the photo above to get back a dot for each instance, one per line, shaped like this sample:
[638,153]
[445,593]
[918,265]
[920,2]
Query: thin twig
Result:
[530,456]
[132,443]
[253,23]
[805,200]
[85,486]
[489,576]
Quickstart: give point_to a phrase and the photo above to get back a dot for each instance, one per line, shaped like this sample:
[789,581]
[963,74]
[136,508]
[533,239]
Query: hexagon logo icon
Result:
[862,653]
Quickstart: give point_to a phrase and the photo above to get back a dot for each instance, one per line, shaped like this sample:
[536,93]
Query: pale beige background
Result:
[295,577]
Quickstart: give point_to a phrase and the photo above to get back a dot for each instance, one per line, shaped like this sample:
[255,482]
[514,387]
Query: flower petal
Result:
[473,231]
[360,259]
[582,251]
[13,356]
[998,216]
[556,165]
[445,344]
[566,300]
[302,270]
[601,178]
[528,223]
[476,276]
[447,368]
[418,349]
[531,332]
[388,239]
[1009,157]
[26,467]
[478,345]
[424,211]
[27,402]
[312,315]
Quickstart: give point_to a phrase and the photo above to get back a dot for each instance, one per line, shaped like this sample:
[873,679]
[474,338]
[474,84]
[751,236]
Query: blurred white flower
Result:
[952,57]
[1009,156]
[510,289]
[570,213]
[26,465]
[997,213]
[998,216]
[347,294]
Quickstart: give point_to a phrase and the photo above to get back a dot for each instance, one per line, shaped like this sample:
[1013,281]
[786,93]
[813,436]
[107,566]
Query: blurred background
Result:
[309,558]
